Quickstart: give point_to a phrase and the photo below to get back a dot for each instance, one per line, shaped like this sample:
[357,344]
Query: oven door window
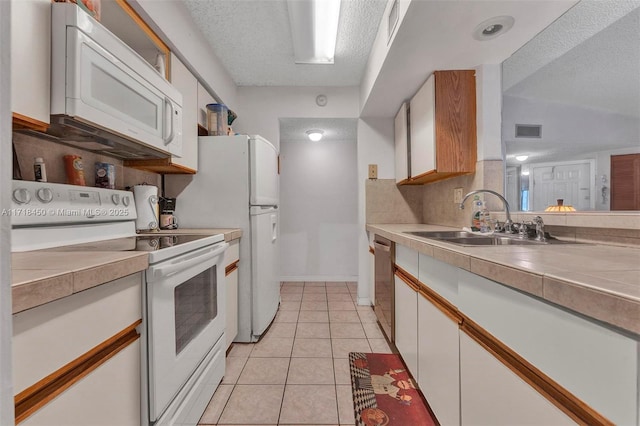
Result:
[196,305]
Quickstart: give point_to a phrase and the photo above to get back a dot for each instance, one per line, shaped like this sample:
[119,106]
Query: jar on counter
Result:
[74,169]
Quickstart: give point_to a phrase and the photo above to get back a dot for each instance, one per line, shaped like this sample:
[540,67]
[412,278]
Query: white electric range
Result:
[183,288]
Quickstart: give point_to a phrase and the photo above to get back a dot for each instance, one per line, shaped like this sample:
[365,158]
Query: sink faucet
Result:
[508,228]
[539,229]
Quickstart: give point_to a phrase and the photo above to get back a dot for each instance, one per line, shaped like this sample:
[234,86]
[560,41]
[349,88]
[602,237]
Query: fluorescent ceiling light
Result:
[522,157]
[314,29]
[315,135]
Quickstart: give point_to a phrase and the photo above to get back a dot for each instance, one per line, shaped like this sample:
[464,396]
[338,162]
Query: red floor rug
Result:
[384,394]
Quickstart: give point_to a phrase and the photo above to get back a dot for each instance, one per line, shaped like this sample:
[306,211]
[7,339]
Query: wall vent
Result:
[528,130]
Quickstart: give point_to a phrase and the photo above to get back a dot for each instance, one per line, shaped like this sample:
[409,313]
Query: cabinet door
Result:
[491,394]
[31,60]
[422,129]
[406,319]
[187,84]
[204,98]
[401,136]
[108,396]
[438,362]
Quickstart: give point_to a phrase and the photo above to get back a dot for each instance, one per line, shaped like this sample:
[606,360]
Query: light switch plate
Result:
[373,171]
[457,195]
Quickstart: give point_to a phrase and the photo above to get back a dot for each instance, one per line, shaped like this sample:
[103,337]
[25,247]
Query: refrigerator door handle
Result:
[274,230]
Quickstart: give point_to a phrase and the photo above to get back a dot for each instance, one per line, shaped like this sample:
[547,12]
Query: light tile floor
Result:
[298,374]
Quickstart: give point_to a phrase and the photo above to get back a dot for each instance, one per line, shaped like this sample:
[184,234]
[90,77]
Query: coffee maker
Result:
[167,217]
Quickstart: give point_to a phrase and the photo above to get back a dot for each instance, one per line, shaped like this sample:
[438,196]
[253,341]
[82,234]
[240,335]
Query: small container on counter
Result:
[74,169]
[39,169]
[105,175]
[217,119]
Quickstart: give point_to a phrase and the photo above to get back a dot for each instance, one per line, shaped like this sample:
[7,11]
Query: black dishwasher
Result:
[384,299]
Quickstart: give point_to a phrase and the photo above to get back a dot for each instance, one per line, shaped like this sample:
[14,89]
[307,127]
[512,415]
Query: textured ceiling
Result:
[335,129]
[601,72]
[252,39]
[589,58]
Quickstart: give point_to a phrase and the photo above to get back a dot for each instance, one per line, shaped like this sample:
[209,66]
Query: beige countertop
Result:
[599,281]
[42,276]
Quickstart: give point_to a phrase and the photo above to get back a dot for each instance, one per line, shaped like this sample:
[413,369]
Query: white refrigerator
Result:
[237,186]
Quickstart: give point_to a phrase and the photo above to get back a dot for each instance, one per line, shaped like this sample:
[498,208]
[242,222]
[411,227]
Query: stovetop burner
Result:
[135,243]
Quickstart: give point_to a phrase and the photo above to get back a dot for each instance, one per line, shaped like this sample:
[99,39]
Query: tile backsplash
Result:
[28,147]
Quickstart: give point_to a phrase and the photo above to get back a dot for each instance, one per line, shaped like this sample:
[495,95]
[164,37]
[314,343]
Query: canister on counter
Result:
[105,175]
[75,171]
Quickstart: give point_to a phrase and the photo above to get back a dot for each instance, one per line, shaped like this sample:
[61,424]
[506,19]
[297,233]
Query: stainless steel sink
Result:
[442,234]
[469,239]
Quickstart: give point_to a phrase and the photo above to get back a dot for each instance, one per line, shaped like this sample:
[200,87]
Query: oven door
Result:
[185,319]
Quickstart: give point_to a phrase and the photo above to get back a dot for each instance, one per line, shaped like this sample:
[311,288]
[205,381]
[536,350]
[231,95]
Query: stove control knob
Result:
[45,195]
[21,196]
[126,200]
[116,199]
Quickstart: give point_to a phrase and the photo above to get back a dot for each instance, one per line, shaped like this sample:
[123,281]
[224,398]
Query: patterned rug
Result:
[384,394]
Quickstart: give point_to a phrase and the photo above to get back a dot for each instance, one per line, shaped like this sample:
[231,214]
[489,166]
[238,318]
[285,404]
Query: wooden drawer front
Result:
[50,336]
[108,396]
[231,327]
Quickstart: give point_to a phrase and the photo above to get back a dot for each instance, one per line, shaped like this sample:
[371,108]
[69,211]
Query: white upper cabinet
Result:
[30,63]
[442,129]
[401,133]
[187,84]
[422,130]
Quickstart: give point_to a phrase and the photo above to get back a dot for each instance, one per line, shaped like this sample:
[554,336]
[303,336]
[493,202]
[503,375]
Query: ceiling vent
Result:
[528,130]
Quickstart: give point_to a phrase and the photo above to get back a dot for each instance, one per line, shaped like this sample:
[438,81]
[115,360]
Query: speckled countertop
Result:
[599,281]
[42,276]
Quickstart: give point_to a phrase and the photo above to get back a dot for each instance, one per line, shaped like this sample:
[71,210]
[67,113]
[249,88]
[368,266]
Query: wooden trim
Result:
[231,267]
[441,303]
[159,165]
[407,278]
[434,176]
[36,396]
[150,33]
[547,387]
[372,250]
[23,122]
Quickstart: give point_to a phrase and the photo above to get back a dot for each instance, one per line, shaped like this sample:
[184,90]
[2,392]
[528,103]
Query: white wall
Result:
[260,108]
[375,146]
[318,211]
[6,388]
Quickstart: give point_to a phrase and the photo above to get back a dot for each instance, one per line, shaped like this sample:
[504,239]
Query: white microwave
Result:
[104,96]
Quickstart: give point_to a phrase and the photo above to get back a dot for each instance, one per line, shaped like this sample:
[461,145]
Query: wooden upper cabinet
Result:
[442,129]
[30,63]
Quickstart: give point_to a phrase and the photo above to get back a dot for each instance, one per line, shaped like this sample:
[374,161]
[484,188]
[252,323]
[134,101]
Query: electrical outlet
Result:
[373,171]
[457,195]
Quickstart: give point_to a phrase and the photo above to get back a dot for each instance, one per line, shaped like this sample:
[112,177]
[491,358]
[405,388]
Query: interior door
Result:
[265,281]
[264,172]
[625,182]
[571,182]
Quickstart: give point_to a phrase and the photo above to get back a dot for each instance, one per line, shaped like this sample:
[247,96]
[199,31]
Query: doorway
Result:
[625,182]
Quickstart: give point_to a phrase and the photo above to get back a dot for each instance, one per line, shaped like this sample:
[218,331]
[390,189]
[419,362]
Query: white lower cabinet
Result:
[109,396]
[406,318]
[90,336]
[231,257]
[493,395]
[439,362]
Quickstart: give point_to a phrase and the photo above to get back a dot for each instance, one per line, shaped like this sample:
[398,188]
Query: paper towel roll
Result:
[146,199]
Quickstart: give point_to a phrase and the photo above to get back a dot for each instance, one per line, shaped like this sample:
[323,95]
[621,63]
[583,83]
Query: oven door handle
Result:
[187,261]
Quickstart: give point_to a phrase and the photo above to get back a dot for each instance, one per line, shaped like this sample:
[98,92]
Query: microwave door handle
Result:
[199,257]
[169,138]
